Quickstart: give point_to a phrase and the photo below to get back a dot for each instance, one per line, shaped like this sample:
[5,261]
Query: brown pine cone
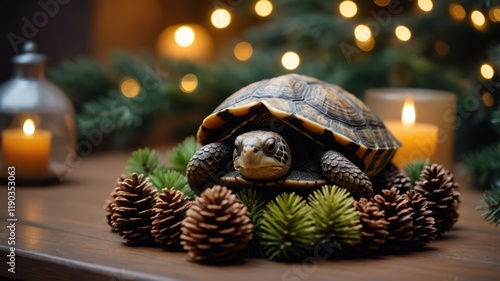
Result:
[216,227]
[374,225]
[131,216]
[167,215]
[392,176]
[110,201]
[438,187]
[398,214]
[423,221]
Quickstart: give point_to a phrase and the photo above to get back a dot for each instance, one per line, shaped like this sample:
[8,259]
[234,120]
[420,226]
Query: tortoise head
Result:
[261,155]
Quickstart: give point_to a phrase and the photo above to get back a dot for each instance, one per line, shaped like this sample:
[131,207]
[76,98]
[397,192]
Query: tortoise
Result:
[291,132]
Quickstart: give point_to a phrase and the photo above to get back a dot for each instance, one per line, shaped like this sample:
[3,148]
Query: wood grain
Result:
[61,234]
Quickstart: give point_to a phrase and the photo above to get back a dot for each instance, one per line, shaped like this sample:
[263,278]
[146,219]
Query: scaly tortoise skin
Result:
[332,137]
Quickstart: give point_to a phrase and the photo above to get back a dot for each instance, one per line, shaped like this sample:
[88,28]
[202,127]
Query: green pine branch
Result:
[415,168]
[287,231]
[180,155]
[144,161]
[161,178]
[334,216]
[492,209]
[484,165]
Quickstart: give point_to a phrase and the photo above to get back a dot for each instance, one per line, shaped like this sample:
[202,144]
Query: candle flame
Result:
[408,115]
[29,127]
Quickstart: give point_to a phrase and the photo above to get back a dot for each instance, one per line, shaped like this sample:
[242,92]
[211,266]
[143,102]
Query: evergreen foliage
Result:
[144,161]
[287,231]
[169,179]
[492,209]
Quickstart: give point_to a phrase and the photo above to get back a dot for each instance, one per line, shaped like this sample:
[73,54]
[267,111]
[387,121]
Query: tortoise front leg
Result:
[205,163]
[343,173]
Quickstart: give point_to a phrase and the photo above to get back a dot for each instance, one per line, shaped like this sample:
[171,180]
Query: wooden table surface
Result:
[61,234]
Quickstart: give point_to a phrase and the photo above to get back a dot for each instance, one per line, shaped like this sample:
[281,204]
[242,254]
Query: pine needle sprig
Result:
[484,165]
[256,206]
[144,161]
[287,231]
[179,155]
[334,216]
[169,179]
[415,168]
[255,203]
[492,209]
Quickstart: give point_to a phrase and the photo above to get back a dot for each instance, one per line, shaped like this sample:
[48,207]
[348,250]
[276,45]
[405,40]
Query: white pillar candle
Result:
[431,106]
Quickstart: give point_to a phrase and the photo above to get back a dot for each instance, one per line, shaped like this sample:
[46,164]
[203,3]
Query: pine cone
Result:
[423,221]
[374,225]
[216,227]
[438,187]
[398,214]
[110,201]
[392,176]
[131,216]
[167,215]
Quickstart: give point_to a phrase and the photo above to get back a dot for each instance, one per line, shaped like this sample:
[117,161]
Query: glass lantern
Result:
[37,123]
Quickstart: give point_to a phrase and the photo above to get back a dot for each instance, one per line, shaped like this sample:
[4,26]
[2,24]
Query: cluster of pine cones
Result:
[399,217]
[212,228]
[215,226]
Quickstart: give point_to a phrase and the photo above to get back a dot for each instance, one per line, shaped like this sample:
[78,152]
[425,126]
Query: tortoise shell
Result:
[326,113]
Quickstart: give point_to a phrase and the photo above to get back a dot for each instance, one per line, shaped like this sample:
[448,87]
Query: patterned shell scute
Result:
[324,112]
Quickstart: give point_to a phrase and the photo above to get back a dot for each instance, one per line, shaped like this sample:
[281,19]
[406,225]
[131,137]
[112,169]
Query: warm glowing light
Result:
[487,71]
[457,11]
[29,127]
[263,8]
[362,33]
[477,18]
[408,115]
[221,18]
[130,87]
[403,33]
[425,5]
[290,60]
[348,9]
[243,51]
[185,42]
[184,36]
[382,3]
[189,83]
[441,47]
[494,14]
[366,46]
[488,99]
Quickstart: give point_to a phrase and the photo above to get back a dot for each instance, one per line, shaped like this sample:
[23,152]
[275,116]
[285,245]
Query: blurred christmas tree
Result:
[356,44]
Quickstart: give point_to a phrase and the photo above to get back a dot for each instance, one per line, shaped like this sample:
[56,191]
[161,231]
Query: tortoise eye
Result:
[270,145]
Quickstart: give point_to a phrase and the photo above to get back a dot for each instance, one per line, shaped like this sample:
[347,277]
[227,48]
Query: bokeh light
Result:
[348,9]
[403,33]
[367,45]
[221,18]
[488,99]
[478,19]
[184,36]
[441,48]
[263,8]
[382,3]
[290,60]
[494,14]
[189,83]
[362,33]
[425,5]
[130,87]
[457,11]
[487,71]
[243,51]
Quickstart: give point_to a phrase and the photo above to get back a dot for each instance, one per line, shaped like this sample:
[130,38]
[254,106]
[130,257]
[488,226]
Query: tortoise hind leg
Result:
[205,163]
[342,172]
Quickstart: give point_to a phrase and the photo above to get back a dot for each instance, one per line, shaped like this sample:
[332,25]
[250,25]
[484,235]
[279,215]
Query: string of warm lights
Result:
[185,36]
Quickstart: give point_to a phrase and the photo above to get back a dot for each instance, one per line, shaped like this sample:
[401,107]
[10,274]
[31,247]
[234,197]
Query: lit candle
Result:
[419,140]
[433,107]
[28,150]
